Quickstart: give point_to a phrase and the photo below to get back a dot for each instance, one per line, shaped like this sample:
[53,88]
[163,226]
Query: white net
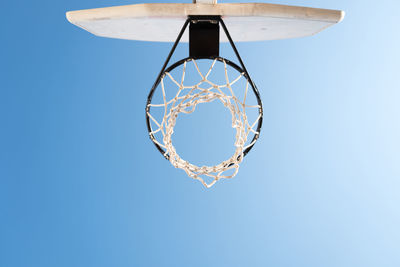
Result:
[185,101]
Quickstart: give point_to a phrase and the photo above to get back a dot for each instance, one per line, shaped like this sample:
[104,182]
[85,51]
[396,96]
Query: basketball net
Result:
[186,103]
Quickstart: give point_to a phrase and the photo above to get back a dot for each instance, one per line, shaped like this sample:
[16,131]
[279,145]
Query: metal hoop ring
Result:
[220,59]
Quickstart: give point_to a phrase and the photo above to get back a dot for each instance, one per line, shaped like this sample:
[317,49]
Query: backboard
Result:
[246,21]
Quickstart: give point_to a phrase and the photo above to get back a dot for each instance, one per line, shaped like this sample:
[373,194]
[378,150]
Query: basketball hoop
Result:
[204,44]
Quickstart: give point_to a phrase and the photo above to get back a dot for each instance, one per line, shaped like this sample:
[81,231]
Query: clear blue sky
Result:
[82,185]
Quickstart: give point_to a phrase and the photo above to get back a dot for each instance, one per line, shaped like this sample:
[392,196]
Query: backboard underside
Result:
[246,22]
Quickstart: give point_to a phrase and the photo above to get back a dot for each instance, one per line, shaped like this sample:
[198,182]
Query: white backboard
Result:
[245,22]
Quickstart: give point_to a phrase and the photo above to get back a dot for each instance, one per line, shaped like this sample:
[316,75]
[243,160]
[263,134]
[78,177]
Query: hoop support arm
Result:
[255,90]
[150,96]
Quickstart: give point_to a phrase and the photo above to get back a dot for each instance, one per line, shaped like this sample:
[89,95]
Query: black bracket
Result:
[204,36]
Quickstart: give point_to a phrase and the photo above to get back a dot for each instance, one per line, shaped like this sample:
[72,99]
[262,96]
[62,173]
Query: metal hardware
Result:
[203,36]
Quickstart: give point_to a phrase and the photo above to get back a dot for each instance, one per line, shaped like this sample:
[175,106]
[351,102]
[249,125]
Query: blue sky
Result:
[82,185]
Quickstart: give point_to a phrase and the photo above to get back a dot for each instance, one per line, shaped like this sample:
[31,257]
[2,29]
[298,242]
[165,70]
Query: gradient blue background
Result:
[82,185]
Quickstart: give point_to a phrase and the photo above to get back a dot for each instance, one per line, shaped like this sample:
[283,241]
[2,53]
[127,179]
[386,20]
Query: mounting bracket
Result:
[204,36]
